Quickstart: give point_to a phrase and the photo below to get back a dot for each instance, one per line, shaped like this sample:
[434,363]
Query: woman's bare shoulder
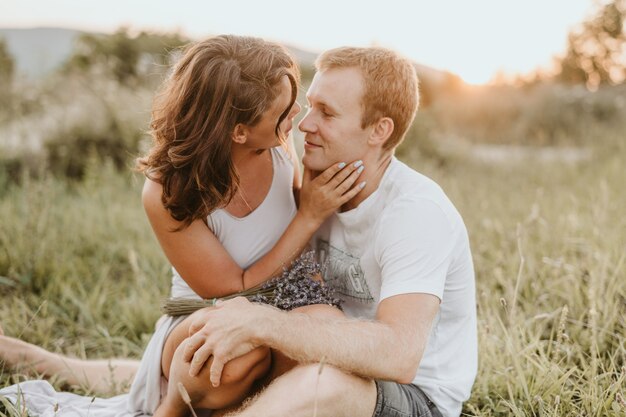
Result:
[151,194]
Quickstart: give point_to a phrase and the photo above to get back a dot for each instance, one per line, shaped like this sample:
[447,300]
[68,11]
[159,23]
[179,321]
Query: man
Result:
[398,255]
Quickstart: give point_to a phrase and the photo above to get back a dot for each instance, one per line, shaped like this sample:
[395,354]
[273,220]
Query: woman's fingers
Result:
[339,185]
[352,192]
[348,181]
[330,172]
[325,193]
[345,173]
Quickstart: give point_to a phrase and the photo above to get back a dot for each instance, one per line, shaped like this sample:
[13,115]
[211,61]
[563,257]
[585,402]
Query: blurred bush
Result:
[96,107]
[85,117]
[69,151]
[420,142]
[596,50]
[545,114]
[7,69]
[126,58]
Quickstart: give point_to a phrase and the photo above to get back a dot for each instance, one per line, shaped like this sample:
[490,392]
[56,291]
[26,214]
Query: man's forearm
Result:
[366,348]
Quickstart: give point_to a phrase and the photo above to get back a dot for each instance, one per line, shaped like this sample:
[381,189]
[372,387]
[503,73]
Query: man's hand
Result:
[225,332]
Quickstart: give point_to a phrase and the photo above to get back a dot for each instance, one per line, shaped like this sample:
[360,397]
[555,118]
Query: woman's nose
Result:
[295,109]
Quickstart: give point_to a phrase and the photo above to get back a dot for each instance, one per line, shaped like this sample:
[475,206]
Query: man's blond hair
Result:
[391,86]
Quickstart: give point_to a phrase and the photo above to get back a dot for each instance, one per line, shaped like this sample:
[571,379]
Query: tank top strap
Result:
[282,155]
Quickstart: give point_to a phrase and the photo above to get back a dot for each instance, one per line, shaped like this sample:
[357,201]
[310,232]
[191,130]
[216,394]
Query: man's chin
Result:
[317,168]
[314,165]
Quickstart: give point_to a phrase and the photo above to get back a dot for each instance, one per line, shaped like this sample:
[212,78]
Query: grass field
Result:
[81,273]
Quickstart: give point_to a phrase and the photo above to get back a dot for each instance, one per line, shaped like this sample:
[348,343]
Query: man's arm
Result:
[390,347]
[413,246]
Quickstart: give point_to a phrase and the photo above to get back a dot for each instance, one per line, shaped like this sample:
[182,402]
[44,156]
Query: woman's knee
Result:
[237,378]
[175,338]
[255,363]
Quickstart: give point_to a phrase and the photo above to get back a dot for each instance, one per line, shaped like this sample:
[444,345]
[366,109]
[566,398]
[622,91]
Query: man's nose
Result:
[306,124]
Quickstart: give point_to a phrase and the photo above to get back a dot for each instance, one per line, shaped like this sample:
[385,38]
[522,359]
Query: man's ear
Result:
[381,131]
[240,134]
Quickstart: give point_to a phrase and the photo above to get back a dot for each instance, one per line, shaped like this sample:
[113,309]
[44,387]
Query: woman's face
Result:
[263,134]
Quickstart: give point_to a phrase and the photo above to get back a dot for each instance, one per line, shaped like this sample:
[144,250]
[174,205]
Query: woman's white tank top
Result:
[248,238]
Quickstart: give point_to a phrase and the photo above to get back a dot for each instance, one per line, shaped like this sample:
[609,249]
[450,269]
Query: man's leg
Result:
[331,393]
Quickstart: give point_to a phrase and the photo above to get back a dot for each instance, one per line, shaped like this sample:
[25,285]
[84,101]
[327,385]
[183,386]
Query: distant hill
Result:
[38,51]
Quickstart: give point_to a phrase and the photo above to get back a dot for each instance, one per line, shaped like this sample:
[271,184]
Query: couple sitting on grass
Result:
[229,207]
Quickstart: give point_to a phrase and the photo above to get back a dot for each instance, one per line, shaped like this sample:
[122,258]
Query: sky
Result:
[475,39]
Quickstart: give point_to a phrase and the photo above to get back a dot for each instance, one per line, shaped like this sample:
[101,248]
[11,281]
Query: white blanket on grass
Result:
[41,399]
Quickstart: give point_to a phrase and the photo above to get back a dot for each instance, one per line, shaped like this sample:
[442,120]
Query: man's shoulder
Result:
[406,187]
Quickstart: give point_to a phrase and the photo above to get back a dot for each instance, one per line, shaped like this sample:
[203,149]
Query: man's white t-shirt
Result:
[407,237]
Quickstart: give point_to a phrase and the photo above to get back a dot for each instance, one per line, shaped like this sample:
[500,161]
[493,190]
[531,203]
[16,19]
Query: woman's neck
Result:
[242,156]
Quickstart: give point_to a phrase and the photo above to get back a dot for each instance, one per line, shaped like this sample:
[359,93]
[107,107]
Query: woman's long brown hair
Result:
[217,84]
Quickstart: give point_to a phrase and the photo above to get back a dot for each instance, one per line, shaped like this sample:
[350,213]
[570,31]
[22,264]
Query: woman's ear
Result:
[240,134]
[381,131]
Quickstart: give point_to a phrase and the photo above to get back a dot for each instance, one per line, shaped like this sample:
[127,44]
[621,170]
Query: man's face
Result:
[332,125]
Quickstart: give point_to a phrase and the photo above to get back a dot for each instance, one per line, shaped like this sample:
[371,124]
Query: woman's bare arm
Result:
[206,266]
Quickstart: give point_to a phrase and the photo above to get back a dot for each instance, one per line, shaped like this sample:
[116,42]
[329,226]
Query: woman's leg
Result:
[280,363]
[98,375]
[238,377]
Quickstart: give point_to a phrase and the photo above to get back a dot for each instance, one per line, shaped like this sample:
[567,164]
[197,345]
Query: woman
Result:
[233,101]
[219,195]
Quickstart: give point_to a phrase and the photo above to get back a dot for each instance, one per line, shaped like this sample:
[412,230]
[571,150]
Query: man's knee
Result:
[325,381]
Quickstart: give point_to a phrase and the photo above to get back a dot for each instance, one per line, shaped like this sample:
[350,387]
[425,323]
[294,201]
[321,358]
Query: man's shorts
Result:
[403,400]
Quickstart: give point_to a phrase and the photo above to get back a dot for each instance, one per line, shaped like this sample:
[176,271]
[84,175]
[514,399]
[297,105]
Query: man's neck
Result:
[375,167]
